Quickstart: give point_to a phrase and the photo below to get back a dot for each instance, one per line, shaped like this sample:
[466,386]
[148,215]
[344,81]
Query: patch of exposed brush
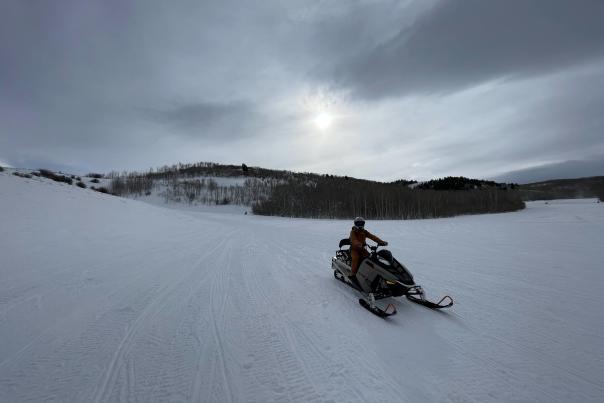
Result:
[55,177]
[101,190]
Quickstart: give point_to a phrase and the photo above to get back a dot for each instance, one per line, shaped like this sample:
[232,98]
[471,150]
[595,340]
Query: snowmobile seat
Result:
[344,254]
[344,242]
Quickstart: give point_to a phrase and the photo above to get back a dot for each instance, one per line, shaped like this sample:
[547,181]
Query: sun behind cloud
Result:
[323,121]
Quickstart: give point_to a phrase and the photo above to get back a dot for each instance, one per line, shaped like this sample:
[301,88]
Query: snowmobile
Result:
[379,278]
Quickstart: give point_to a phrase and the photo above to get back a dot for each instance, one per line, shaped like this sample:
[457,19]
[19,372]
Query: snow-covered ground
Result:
[110,299]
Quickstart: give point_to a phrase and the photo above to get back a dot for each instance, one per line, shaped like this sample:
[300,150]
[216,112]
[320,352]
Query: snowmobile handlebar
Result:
[375,247]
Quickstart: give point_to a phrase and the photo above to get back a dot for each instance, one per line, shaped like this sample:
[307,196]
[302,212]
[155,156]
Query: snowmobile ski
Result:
[368,301]
[376,310]
[445,302]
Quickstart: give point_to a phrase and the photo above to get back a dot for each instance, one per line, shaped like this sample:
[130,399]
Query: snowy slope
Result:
[233,195]
[109,299]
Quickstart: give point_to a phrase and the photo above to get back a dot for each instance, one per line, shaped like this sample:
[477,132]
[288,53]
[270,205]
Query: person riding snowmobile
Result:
[358,235]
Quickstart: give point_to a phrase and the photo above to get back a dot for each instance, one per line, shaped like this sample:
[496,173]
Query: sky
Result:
[376,89]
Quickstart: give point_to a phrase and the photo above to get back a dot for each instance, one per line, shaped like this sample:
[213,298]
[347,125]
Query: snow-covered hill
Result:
[110,299]
[162,194]
[194,192]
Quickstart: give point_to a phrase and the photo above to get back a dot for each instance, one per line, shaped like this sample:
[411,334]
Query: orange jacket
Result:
[357,247]
[358,238]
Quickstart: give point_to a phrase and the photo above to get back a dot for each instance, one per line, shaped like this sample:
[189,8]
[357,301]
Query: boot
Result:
[353,280]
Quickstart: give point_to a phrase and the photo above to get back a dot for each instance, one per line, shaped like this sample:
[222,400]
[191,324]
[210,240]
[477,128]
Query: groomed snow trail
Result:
[104,299]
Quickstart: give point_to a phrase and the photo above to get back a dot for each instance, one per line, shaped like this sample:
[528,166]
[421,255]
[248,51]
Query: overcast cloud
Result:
[417,89]
[460,43]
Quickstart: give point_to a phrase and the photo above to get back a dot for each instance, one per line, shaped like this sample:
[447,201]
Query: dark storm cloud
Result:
[75,76]
[223,120]
[338,33]
[460,43]
[555,118]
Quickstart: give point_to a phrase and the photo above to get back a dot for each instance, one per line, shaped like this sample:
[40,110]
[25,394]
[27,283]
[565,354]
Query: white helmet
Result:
[359,222]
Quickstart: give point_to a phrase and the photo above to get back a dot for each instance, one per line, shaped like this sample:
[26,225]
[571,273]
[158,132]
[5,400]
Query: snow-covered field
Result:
[109,299]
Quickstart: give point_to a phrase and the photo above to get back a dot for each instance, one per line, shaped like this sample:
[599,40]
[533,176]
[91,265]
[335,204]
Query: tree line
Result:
[208,169]
[598,190]
[462,183]
[332,197]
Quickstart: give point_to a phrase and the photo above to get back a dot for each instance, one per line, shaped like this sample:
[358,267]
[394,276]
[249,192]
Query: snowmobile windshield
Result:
[386,255]
[385,259]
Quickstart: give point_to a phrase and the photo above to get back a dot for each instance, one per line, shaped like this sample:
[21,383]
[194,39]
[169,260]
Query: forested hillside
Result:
[332,197]
[291,194]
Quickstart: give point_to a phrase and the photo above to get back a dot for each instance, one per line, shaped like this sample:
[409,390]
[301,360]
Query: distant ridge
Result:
[563,189]
[560,170]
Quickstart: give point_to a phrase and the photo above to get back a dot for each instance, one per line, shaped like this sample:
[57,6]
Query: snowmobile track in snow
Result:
[156,304]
